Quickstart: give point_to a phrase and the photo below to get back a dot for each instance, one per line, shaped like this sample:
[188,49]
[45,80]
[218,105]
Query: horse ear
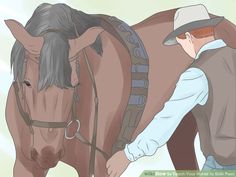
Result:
[30,43]
[86,39]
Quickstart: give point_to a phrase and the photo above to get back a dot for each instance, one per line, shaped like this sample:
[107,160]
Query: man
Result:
[208,88]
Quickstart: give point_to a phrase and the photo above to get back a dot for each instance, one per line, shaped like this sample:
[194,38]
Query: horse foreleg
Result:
[77,156]
[27,168]
[100,166]
[181,144]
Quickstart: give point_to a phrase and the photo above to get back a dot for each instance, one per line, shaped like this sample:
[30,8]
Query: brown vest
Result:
[216,120]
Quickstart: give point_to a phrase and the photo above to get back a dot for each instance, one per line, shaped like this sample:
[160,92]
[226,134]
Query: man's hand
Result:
[117,164]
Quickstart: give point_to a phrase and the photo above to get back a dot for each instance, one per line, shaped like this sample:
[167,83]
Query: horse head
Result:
[46,70]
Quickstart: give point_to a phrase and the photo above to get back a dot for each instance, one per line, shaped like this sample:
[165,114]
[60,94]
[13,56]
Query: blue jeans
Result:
[212,164]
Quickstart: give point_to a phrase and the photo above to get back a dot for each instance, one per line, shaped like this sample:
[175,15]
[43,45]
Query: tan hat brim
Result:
[171,38]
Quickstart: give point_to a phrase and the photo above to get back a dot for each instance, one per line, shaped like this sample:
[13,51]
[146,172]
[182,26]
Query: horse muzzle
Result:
[48,158]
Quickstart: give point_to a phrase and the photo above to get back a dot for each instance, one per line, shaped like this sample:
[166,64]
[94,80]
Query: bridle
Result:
[43,124]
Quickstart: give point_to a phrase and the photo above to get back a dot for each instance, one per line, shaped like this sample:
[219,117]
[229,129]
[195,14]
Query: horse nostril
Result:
[61,153]
[34,154]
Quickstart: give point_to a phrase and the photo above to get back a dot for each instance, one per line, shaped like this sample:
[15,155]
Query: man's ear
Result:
[30,43]
[86,39]
[189,37]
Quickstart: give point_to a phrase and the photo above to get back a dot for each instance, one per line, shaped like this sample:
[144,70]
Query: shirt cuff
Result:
[132,152]
[128,154]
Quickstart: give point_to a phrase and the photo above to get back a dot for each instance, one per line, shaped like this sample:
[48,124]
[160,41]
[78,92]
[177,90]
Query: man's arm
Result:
[191,89]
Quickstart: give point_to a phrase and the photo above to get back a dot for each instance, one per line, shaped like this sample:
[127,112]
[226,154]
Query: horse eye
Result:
[27,83]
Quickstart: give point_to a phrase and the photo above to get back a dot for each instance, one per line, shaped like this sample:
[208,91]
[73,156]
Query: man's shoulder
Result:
[226,50]
[192,73]
[223,51]
[215,55]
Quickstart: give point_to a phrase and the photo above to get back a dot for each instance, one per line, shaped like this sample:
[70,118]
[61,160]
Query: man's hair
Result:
[199,33]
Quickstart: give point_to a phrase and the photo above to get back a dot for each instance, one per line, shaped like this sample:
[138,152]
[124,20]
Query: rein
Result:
[95,125]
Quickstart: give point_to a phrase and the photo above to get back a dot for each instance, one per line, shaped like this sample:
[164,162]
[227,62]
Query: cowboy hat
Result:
[189,18]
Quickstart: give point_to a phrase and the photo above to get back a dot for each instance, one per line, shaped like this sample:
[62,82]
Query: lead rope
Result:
[96,101]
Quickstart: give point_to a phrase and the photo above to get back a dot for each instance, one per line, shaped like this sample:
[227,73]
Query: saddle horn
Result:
[34,44]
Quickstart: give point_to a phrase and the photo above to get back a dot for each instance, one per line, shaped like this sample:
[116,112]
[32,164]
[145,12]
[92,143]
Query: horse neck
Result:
[156,19]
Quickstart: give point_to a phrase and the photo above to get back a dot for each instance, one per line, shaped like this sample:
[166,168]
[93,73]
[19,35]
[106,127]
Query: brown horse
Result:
[45,62]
